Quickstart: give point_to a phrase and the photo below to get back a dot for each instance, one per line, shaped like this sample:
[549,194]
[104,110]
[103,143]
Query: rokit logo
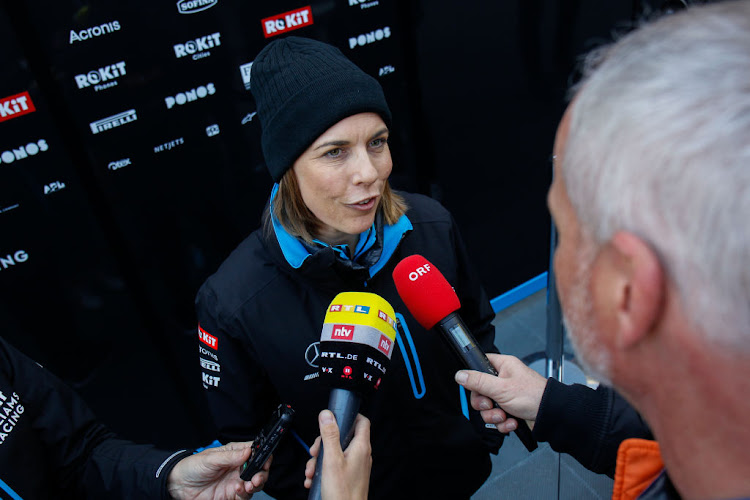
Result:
[23,152]
[9,260]
[190,95]
[210,380]
[288,21]
[245,72]
[113,121]
[198,48]
[54,186]
[169,145]
[117,165]
[15,106]
[371,37]
[363,4]
[102,78]
[193,6]
[208,339]
[88,33]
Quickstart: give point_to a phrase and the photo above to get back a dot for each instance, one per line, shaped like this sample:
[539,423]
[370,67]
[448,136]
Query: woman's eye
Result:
[334,153]
[378,143]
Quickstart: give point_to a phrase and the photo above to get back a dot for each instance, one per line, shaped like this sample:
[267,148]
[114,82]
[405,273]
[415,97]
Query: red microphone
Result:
[432,301]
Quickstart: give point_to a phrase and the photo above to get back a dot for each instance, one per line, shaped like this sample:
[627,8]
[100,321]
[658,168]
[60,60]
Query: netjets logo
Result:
[198,48]
[193,6]
[23,152]
[15,106]
[288,21]
[113,121]
[102,78]
[89,33]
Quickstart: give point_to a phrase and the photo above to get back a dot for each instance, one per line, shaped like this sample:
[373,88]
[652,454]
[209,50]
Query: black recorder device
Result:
[267,440]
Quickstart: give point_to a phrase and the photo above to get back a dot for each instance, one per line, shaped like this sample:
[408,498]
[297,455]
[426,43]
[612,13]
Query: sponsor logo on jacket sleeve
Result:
[288,21]
[89,33]
[371,37]
[23,152]
[193,6]
[12,259]
[208,339]
[11,410]
[15,106]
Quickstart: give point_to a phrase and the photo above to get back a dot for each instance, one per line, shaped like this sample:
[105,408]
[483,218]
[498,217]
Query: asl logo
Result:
[15,106]
[54,186]
[208,339]
[288,21]
[385,345]
[343,332]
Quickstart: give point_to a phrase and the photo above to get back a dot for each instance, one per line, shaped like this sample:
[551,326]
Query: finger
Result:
[479,402]
[329,431]
[483,383]
[315,448]
[235,445]
[507,426]
[310,469]
[361,437]
[494,416]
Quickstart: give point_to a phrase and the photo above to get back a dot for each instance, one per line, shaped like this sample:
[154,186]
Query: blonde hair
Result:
[290,210]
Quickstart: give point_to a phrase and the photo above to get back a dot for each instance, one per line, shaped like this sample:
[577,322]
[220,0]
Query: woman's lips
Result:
[364,205]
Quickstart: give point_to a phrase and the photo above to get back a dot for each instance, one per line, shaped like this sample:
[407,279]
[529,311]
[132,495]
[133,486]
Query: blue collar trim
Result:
[295,252]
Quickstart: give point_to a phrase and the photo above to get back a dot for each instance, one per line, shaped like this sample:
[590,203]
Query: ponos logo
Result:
[288,21]
[193,6]
[371,37]
[23,152]
[13,259]
[342,332]
[190,95]
[15,106]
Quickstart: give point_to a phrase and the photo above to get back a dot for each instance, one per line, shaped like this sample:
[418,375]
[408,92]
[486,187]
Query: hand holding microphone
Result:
[356,344]
[433,302]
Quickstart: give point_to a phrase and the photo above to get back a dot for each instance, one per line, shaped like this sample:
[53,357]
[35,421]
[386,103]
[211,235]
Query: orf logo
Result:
[208,339]
[385,345]
[343,332]
[420,271]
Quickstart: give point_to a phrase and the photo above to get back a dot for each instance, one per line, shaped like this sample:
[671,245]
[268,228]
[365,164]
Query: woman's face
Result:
[341,176]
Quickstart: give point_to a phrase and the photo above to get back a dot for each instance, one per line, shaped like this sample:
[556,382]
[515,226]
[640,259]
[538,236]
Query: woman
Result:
[333,224]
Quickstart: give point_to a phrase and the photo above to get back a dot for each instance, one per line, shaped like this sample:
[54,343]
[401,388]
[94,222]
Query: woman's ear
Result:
[629,287]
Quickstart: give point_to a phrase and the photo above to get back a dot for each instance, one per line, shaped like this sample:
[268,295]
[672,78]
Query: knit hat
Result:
[303,87]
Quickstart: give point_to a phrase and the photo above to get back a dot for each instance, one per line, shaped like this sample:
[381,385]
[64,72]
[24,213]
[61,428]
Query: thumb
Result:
[329,430]
[481,383]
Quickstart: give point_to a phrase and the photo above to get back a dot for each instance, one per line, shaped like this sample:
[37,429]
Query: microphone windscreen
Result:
[357,341]
[425,291]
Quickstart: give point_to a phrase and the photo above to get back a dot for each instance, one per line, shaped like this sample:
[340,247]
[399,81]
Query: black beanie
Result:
[303,87]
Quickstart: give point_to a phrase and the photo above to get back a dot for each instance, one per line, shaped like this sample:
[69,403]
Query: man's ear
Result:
[631,278]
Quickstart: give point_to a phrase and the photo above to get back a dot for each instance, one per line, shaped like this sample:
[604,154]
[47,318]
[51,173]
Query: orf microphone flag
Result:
[432,301]
[356,344]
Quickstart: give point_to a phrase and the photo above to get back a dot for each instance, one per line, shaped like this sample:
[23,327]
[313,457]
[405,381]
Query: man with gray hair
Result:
[651,197]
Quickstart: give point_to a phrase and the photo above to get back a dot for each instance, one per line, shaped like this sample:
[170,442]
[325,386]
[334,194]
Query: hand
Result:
[517,389]
[346,474]
[213,474]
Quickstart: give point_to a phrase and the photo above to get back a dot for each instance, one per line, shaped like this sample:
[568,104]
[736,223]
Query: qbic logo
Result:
[288,21]
[23,152]
[88,33]
[190,95]
[198,48]
[116,165]
[193,6]
[15,106]
[385,345]
[13,259]
[371,37]
[342,332]
[212,130]
[208,339]
[54,186]
[98,77]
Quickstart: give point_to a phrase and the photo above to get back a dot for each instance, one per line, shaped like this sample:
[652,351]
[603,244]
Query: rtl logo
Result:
[343,332]
[15,106]
[208,339]
[288,21]
[385,345]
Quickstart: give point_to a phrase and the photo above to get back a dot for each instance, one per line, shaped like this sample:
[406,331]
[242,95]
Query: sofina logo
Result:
[193,6]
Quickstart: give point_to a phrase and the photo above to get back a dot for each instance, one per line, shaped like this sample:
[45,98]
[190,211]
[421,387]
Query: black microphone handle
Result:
[473,357]
[344,405]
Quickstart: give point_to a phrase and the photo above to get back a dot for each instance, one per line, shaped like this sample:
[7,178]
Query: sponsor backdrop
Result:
[130,162]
